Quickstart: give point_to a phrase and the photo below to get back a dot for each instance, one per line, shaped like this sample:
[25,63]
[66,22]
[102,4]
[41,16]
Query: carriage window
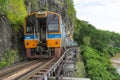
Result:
[52,22]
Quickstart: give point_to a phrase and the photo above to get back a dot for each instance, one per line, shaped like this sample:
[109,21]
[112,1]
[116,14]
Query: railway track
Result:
[12,69]
[27,70]
[12,73]
[39,72]
[32,70]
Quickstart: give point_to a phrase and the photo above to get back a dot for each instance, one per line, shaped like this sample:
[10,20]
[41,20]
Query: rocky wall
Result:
[10,39]
[5,35]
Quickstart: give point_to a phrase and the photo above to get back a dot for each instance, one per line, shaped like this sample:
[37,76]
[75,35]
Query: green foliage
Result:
[80,70]
[96,48]
[103,41]
[3,64]
[45,8]
[9,58]
[71,11]
[34,4]
[81,30]
[3,6]
[15,11]
[98,67]
[86,40]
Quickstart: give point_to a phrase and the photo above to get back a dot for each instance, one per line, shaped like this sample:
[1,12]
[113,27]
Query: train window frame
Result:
[31,29]
[30,23]
[57,23]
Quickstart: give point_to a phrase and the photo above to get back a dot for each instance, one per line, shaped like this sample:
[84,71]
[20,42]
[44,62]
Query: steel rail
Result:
[41,74]
[31,73]
[16,67]
[23,71]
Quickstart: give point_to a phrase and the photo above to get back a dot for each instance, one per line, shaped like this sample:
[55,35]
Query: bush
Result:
[98,67]
[9,58]
[15,11]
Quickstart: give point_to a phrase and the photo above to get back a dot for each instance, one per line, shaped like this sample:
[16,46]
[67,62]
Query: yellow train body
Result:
[30,43]
[54,43]
[43,34]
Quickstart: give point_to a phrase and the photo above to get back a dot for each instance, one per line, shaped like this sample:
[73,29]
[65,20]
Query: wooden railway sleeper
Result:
[42,72]
[11,69]
[34,72]
[16,69]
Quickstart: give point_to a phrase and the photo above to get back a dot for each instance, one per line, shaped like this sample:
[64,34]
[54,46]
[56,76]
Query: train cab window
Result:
[30,24]
[30,29]
[52,23]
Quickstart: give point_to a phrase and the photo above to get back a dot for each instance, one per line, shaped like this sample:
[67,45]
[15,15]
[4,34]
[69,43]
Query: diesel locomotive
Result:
[44,35]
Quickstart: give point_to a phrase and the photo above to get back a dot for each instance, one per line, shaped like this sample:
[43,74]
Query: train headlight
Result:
[41,12]
[27,43]
[56,42]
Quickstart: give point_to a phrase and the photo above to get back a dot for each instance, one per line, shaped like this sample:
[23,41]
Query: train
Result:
[45,35]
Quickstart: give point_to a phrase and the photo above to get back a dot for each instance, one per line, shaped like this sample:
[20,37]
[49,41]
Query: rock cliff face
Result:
[5,35]
[9,38]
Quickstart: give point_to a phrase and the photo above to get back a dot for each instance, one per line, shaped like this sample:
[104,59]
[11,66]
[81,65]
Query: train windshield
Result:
[30,24]
[52,22]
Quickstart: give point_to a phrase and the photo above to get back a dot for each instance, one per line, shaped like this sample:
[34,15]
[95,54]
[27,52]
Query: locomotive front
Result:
[42,35]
